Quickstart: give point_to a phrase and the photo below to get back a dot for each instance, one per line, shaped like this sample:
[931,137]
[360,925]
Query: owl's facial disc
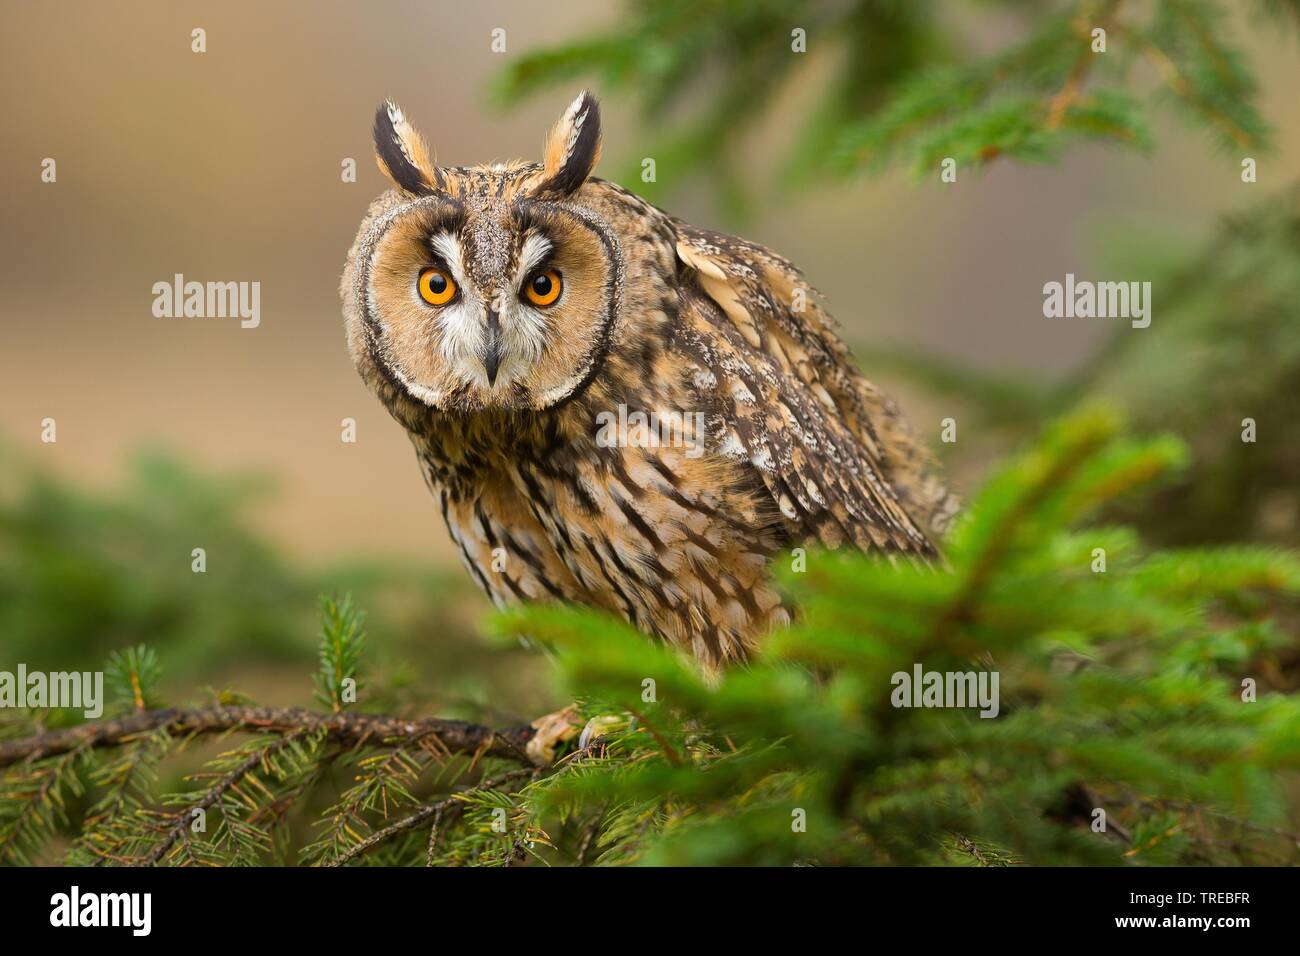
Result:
[506,307]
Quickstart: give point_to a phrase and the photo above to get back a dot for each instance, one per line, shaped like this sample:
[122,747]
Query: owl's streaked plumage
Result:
[449,296]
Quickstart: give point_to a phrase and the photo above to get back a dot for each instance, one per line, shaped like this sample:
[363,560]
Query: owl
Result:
[615,408]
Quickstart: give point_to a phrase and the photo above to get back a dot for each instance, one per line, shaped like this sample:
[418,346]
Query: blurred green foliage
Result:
[1223,348]
[1150,687]
[908,81]
[1121,691]
[1228,350]
[84,574]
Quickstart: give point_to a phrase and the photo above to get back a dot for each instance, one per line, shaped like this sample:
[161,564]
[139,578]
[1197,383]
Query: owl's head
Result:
[489,286]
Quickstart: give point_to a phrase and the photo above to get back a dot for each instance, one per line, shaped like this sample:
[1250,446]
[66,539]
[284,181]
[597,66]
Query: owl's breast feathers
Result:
[773,439]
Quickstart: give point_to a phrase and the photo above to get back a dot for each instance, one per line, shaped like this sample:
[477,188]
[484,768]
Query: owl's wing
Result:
[833,452]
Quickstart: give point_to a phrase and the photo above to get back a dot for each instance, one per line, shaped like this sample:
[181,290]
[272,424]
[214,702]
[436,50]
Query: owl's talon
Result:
[602,725]
[552,730]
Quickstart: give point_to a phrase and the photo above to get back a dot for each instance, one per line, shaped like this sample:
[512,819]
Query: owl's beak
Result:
[492,353]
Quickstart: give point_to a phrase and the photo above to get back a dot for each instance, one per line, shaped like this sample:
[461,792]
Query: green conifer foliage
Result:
[1140,719]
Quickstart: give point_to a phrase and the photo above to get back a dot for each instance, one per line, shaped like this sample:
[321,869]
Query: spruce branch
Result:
[1147,726]
[1003,538]
[1070,91]
[343,727]
[435,810]
[181,819]
[36,794]
[935,95]
[429,856]
[1177,81]
[343,638]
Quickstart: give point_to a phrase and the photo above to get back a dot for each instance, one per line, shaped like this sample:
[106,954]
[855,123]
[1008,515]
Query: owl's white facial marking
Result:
[486,334]
[536,247]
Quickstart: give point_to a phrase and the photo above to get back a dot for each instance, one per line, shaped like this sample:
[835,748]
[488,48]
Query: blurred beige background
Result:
[225,166]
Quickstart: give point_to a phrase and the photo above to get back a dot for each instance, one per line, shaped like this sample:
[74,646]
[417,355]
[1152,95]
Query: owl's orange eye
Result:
[436,287]
[543,288]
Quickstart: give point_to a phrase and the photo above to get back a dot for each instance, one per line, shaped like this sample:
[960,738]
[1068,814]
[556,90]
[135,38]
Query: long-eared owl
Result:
[613,407]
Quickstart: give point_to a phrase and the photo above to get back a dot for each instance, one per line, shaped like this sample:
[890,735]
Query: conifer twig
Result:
[1000,540]
[228,782]
[433,835]
[1179,83]
[346,727]
[1069,92]
[425,812]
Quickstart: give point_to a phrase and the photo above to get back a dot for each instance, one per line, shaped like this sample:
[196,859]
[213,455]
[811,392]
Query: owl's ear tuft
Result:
[401,152]
[572,147]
